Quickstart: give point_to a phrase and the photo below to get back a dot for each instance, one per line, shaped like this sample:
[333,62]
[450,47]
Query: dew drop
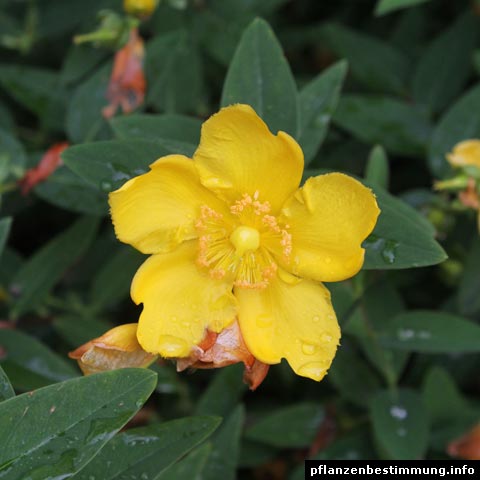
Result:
[389,251]
[308,348]
[106,186]
[405,334]
[327,338]
[401,432]
[264,321]
[315,370]
[398,412]
[316,319]
[173,318]
[171,346]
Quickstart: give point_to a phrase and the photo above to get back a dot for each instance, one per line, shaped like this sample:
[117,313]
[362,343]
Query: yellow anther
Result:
[245,239]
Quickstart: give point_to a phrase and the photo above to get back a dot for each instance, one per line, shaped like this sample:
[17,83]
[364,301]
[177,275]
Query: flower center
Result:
[245,239]
[245,246]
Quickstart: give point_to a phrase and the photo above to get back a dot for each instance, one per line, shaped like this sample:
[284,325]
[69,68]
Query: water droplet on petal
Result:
[315,370]
[316,319]
[308,348]
[170,346]
[264,321]
[327,338]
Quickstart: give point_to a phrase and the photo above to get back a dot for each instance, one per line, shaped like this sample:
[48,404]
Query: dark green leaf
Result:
[108,165]
[223,393]
[112,282]
[425,331]
[318,100]
[6,119]
[373,62]
[434,84]
[468,297]
[400,424]
[12,156]
[377,119]
[460,122]
[67,190]
[177,133]
[77,330]
[84,120]
[79,61]
[223,459]
[31,364]
[378,170]
[53,432]
[387,6]
[146,452]
[288,427]
[174,74]
[190,467]
[5,224]
[260,76]
[402,238]
[45,268]
[6,389]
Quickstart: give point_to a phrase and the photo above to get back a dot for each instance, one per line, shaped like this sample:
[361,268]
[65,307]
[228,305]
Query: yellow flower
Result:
[465,153]
[140,8]
[232,237]
[118,348]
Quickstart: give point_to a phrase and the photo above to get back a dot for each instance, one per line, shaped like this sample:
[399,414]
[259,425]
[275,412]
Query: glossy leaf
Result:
[146,452]
[260,76]
[431,331]
[31,364]
[223,459]
[460,122]
[377,119]
[5,224]
[468,298]
[376,64]
[177,133]
[318,101]
[402,238]
[53,432]
[42,271]
[386,6]
[378,170]
[189,467]
[108,165]
[445,66]
[289,427]
[400,424]
[6,389]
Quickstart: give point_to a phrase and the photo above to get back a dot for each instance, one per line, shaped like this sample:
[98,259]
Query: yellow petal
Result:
[291,319]
[179,302]
[329,218]
[156,211]
[238,154]
[465,153]
[118,348]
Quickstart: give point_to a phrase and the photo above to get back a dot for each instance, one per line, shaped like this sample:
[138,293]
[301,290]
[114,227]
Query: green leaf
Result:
[53,432]
[445,66]
[460,122]
[31,364]
[77,330]
[260,76]
[108,165]
[318,100]
[378,119]
[6,119]
[190,467]
[84,120]
[468,298]
[174,73]
[386,6]
[79,61]
[373,62]
[223,392]
[146,452]
[66,190]
[6,389]
[378,170]
[176,133]
[223,460]
[429,332]
[45,268]
[402,238]
[400,424]
[294,426]
[112,282]
[5,224]
[12,156]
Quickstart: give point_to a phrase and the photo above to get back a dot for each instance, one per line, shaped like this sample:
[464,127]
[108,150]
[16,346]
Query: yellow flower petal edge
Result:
[329,217]
[465,153]
[156,211]
[292,319]
[180,302]
[239,155]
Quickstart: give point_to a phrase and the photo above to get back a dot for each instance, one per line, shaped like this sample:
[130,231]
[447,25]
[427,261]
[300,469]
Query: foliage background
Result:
[405,382]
